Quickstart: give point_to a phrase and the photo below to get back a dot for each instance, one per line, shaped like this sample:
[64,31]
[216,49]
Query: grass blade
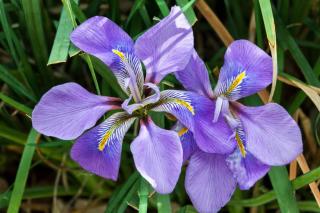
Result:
[163,203]
[143,196]
[60,48]
[23,171]
[267,16]
[15,104]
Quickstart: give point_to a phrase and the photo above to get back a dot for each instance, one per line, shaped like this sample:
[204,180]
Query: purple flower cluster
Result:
[226,143]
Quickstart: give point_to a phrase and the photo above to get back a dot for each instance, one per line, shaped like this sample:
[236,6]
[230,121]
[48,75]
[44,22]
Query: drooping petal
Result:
[166,47]
[99,150]
[189,145]
[211,136]
[246,170]
[67,110]
[247,69]
[195,76]
[273,136]
[157,155]
[209,182]
[180,104]
[102,38]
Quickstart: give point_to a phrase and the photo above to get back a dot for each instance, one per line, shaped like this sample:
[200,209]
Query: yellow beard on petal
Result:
[182,131]
[240,145]
[185,104]
[119,53]
[236,82]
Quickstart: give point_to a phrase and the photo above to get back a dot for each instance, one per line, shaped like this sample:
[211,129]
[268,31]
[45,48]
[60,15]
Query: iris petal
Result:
[195,76]
[209,182]
[99,150]
[272,136]
[166,47]
[157,155]
[247,170]
[247,69]
[67,110]
[102,38]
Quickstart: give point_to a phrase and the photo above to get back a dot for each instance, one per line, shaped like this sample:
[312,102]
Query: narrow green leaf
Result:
[33,18]
[124,204]
[15,104]
[135,8]
[269,25]
[164,9]
[163,203]
[143,195]
[283,189]
[267,197]
[117,197]
[189,13]
[22,174]
[60,48]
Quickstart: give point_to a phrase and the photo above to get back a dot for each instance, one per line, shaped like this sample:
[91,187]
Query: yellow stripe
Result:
[240,145]
[119,53]
[182,131]
[105,139]
[236,82]
[185,104]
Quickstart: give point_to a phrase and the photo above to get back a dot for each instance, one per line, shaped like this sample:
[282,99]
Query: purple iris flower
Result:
[67,110]
[235,144]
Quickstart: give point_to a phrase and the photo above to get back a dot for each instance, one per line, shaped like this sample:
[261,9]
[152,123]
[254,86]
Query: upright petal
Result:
[99,150]
[189,145]
[248,170]
[102,38]
[67,110]
[157,154]
[273,136]
[166,47]
[209,182]
[247,69]
[195,76]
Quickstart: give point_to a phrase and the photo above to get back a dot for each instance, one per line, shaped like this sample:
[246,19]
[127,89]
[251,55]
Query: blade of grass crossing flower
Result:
[267,197]
[23,171]
[61,44]
[164,9]
[163,203]
[189,13]
[87,58]
[18,106]
[267,16]
[143,195]
[107,75]
[283,189]
[93,75]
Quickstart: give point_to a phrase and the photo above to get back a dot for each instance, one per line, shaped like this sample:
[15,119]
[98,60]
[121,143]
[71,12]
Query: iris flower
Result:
[68,110]
[236,144]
